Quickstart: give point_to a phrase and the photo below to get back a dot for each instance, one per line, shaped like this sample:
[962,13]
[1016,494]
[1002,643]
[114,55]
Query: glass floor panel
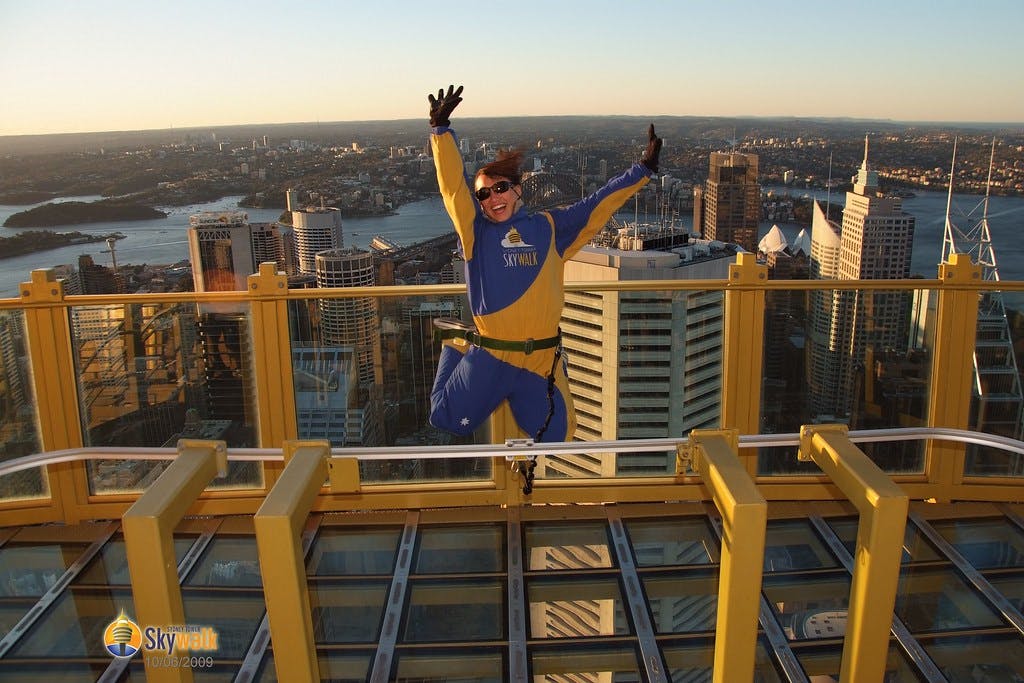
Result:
[692,661]
[341,551]
[568,545]
[576,607]
[822,665]
[672,542]
[985,543]
[916,547]
[939,599]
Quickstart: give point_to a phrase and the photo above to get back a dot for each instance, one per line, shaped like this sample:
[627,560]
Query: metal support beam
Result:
[876,571]
[952,370]
[743,355]
[275,395]
[279,523]
[744,512]
[149,541]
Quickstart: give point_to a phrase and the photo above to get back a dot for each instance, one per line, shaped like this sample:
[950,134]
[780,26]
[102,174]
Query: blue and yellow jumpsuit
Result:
[514,275]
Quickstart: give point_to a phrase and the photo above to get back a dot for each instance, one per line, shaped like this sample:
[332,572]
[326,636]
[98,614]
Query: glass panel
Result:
[51,672]
[442,666]
[585,663]
[570,545]
[938,599]
[31,569]
[234,615]
[151,374]
[670,542]
[18,414]
[355,392]
[968,659]
[916,547]
[985,543]
[810,375]
[692,661]
[1012,588]
[227,561]
[809,606]
[455,611]
[354,551]
[110,566]
[339,667]
[11,612]
[996,462]
[682,603]
[822,665]
[73,626]
[136,673]
[793,545]
[347,612]
[576,607]
[461,549]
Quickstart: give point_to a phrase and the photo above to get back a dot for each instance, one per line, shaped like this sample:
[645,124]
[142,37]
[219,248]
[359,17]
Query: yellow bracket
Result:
[220,452]
[807,433]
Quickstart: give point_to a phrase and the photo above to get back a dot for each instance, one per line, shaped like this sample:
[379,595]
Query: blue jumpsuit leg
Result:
[467,389]
[531,406]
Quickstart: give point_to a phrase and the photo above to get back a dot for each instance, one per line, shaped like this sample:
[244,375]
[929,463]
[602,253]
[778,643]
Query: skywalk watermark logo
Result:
[162,646]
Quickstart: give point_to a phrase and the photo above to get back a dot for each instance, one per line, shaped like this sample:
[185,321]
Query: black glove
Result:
[650,157]
[441,108]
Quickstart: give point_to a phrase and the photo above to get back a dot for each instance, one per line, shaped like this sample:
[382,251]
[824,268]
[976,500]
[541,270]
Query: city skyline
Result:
[67,67]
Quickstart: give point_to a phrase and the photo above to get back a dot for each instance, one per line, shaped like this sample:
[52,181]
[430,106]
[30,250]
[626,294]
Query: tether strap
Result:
[527,472]
[528,346]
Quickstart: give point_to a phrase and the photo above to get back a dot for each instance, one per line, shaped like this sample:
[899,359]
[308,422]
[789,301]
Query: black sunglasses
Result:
[500,187]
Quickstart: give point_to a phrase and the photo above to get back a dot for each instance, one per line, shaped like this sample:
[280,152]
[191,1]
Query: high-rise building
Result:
[874,242]
[731,201]
[350,322]
[642,364]
[315,229]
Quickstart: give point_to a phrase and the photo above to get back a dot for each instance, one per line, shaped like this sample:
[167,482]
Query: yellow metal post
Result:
[876,563]
[743,352]
[275,390]
[279,523]
[744,522]
[149,541]
[48,336]
[952,372]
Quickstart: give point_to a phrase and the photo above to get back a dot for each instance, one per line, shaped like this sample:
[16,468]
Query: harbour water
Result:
[163,241]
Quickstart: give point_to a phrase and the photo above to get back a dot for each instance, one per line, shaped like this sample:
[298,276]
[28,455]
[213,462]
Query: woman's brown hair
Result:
[506,165]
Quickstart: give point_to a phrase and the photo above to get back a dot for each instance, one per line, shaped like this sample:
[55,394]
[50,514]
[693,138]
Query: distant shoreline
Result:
[33,241]
[78,213]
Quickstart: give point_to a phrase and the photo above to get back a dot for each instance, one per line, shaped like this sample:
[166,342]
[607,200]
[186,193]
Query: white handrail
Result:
[513,448]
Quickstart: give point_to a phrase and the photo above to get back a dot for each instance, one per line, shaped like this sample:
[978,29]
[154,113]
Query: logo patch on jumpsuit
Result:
[524,254]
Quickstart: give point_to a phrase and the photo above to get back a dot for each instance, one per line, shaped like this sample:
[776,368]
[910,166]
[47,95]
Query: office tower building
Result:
[315,230]
[350,322]
[224,254]
[785,310]
[731,201]
[96,279]
[642,364]
[220,249]
[327,395]
[873,242]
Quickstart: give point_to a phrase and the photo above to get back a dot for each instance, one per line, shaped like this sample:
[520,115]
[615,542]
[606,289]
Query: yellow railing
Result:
[69,497]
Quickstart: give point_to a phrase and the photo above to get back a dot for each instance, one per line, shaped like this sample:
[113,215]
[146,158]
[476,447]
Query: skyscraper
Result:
[315,229]
[874,242]
[731,201]
[642,364]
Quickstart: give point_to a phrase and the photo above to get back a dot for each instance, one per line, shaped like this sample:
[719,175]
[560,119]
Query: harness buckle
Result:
[528,346]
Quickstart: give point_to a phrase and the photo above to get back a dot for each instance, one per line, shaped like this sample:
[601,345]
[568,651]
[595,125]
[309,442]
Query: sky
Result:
[102,65]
